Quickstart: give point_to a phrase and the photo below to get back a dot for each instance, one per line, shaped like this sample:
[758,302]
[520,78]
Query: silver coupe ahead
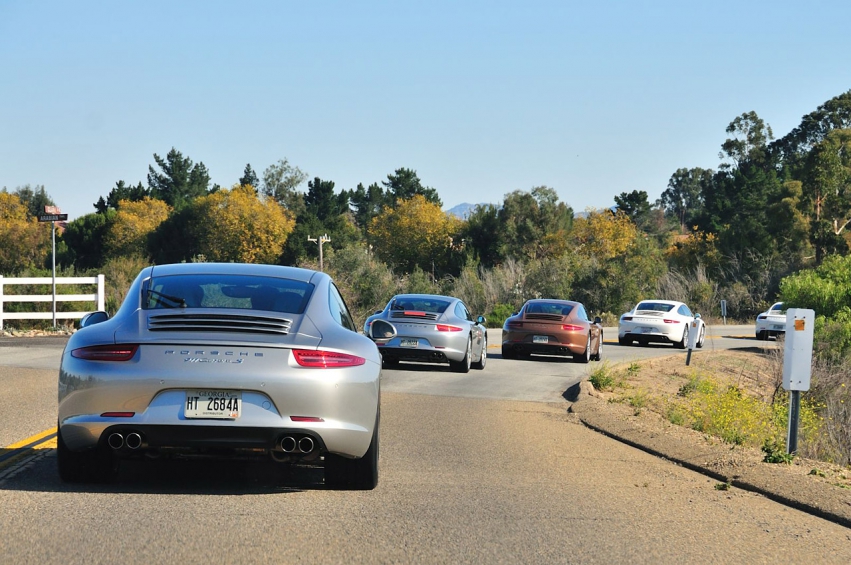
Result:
[429,328]
[222,360]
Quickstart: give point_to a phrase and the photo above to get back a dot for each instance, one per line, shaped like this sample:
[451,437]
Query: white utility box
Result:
[798,353]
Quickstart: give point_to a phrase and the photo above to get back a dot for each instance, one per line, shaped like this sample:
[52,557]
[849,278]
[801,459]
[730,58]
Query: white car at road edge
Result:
[660,321]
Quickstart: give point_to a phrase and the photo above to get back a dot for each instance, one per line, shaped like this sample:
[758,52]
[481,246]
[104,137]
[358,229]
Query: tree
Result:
[417,233]
[367,203]
[634,204]
[814,127]
[235,225]
[280,182]
[85,239]
[324,213]
[531,221]
[180,181]
[404,184]
[249,177]
[35,199]
[122,192]
[132,225]
[483,236]
[752,135]
[24,243]
[828,192]
[683,199]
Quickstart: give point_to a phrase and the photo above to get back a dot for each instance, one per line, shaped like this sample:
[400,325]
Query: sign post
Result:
[797,366]
[724,311]
[52,214]
[322,240]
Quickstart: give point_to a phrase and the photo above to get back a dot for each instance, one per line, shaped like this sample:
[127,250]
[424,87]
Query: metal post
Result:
[794,416]
[322,239]
[53,226]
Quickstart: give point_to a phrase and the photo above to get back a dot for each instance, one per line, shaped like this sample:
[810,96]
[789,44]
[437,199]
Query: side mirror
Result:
[696,316]
[377,312]
[598,320]
[481,320]
[93,318]
[379,329]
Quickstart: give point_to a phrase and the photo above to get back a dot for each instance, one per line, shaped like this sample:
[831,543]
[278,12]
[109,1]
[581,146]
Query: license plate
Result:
[646,330]
[540,339]
[409,342]
[778,327]
[213,404]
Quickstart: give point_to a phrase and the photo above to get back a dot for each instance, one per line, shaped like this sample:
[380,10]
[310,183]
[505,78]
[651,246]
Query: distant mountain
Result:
[463,210]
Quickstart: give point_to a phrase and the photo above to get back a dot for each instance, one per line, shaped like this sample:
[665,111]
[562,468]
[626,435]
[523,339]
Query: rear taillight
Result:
[326,359]
[446,328]
[515,325]
[626,318]
[106,352]
[572,328]
[671,321]
[761,317]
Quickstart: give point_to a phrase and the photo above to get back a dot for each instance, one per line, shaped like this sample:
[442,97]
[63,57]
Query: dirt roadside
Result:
[812,486]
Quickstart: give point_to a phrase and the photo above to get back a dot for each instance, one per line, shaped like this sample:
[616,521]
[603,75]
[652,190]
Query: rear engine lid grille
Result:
[219,323]
[552,317]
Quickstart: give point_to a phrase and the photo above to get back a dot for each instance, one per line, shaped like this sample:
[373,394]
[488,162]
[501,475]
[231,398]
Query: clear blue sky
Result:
[480,98]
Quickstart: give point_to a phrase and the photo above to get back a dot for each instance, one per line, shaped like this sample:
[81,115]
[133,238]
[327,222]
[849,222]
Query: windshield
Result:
[226,291]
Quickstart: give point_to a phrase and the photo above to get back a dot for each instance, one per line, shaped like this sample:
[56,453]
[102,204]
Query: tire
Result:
[702,338]
[480,364]
[354,474]
[762,336]
[507,353]
[684,341]
[599,355]
[624,340]
[92,466]
[585,356]
[463,366]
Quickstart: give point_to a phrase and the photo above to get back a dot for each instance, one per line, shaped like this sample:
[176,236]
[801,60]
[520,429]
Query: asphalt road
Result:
[502,475]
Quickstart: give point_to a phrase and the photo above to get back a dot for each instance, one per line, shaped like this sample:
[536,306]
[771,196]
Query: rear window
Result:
[226,291]
[549,308]
[432,305]
[654,307]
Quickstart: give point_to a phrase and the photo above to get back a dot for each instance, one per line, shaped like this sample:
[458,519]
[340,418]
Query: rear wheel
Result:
[463,366]
[92,466]
[507,353]
[354,474]
[702,338]
[585,356]
[480,364]
[624,341]
[762,336]
[682,343]
[599,355]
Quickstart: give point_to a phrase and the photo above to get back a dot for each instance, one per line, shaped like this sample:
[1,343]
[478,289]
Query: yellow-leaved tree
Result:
[416,233]
[237,225]
[603,235]
[24,243]
[134,221]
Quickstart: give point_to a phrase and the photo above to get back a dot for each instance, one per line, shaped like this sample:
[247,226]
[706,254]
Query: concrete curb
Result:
[814,497]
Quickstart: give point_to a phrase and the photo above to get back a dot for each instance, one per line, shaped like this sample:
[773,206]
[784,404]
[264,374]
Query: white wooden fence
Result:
[98,297]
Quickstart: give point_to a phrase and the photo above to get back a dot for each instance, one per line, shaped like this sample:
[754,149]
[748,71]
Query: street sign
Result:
[52,210]
[52,217]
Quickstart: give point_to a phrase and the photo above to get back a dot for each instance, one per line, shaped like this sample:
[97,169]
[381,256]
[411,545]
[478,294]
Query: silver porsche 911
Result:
[429,328]
[222,360]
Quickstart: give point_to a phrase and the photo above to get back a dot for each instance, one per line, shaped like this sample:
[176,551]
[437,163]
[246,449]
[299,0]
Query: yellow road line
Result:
[27,447]
[32,439]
